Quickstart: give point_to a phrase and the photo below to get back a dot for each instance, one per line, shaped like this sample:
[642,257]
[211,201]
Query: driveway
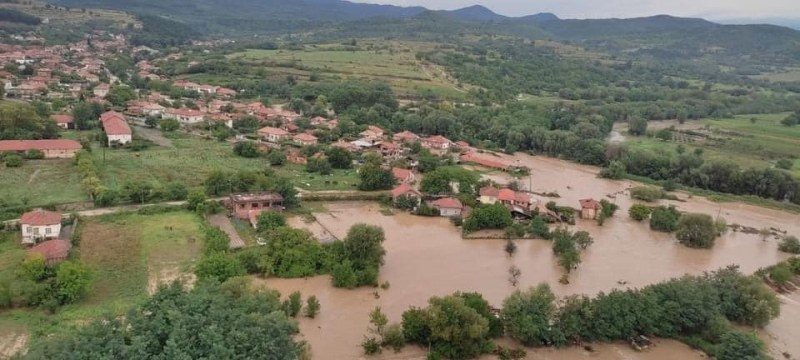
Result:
[224,223]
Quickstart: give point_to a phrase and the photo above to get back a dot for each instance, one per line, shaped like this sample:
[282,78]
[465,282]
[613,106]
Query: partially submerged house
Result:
[590,209]
[448,207]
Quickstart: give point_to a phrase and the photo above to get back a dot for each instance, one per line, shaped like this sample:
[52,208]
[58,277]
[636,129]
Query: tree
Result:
[219,266]
[614,170]
[215,240]
[209,322]
[32,268]
[294,304]
[639,212]
[696,231]
[539,228]
[457,330]
[791,120]
[20,121]
[363,246]
[169,125]
[151,122]
[647,193]
[72,281]
[292,253]
[339,158]
[34,154]
[246,149]
[312,307]
[637,126]
[527,315]
[664,219]
[374,177]
[785,164]
[276,158]
[494,216]
[738,345]
[270,220]
[196,200]
[119,95]
[319,165]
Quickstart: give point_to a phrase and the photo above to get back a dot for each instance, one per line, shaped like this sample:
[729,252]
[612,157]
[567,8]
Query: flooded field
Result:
[427,257]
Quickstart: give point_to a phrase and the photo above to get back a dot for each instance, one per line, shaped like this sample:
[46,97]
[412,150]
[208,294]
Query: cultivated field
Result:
[758,143]
[128,254]
[394,62]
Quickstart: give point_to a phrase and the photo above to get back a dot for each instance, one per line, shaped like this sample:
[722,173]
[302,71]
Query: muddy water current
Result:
[427,257]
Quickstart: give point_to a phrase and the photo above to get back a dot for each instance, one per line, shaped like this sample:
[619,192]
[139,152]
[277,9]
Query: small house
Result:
[405,190]
[245,206]
[53,251]
[403,176]
[39,225]
[590,209]
[273,135]
[304,139]
[184,115]
[65,121]
[448,207]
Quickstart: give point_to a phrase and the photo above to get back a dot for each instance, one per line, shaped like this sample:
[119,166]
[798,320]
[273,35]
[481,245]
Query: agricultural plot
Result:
[393,62]
[39,183]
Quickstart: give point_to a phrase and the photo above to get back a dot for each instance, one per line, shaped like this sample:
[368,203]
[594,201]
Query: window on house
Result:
[255,205]
[47,230]
[30,230]
[241,206]
[36,231]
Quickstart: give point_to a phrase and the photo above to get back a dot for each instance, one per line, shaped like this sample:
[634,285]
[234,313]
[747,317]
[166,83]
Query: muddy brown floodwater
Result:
[426,257]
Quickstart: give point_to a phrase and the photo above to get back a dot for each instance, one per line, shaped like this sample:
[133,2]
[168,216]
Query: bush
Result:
[344,276]
[539,228]
[72,281]
[371,346]
[415,326]
[790,244]
[169,125]
[696,231]
[647,193]
[294,304]
[13,160]
[393,337]
[312,307]
[215,240]
[276,158]
[176,191]
[737,345]
[639,212]
[785,164]
[614,170]
[488,217]
[34,154]
[665,219]
[246,149]
[269,220]
[219,266]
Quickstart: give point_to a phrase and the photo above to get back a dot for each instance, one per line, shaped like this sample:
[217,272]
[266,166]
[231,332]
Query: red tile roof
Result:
[40,218]
[483,161]
[590,204]
[52,250]
[401,174]
[303,137]
[272,131]
[25,145]
[506,195]
[114,124]
[404,189]
[438,139]
[406,136]
[447,203]
[490,191]
[63,119]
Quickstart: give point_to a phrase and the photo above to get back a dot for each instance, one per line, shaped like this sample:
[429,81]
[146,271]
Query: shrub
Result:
[489,217]
[270,220]
[393,337]
[737,345]
[790,244]
[647,193]
[539,228]
[246,149]
[415,326]
[176,191]
[13,160]
[665,219]
[169,125]
[696,231]
[72,281]
[639,212]
[34,154]
[294,305]
[785,164]
[312,307]
[614,170]
[219,266]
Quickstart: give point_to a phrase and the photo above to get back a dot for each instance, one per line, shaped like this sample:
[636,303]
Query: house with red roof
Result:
[65,121]
[390,150]
[52,149]
[437,144]
[405,190]
[39,225]
[590,209]
[225,92]
[116,128]
[485,161]
[448,207]
[273,135]
[304,139]
[53,251]
[184,116]
[406,137]
[403,176]
[492,195]
[373,134]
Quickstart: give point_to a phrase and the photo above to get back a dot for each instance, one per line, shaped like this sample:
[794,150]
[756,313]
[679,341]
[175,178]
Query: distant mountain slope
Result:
[660,36]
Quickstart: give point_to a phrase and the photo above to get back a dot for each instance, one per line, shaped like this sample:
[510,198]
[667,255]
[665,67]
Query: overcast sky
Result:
[710,9]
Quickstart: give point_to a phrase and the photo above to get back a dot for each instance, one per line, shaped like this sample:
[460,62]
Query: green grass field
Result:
[41,182]
[126,253]
[393,62]
[755,144]
[194,158]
